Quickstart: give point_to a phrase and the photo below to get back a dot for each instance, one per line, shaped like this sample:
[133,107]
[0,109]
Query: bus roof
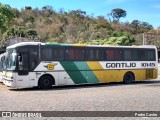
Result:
[63,44]
[23,44]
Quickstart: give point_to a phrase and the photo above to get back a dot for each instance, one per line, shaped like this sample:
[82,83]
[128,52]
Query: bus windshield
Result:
[11,59]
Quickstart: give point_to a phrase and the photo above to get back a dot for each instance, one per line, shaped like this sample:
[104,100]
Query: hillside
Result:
[75,26]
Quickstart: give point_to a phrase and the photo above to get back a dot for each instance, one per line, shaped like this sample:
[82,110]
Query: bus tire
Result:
[45,82]
[128,78]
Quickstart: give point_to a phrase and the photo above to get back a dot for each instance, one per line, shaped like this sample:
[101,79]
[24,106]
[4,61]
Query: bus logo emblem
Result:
[51,66]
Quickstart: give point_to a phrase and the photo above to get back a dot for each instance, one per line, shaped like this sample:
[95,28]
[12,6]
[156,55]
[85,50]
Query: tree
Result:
[145,27]
[72,26]
[140,27]
[103,23]
[6,16]
[47,11]
[117,14]
[79,13]
[117,38]
[31,33]
[135,24]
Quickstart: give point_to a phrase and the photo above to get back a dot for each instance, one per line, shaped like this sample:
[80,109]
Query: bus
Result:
[2,66]
[30,64]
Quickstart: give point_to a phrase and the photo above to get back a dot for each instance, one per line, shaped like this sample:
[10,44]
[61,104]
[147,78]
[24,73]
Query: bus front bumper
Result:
[9,83]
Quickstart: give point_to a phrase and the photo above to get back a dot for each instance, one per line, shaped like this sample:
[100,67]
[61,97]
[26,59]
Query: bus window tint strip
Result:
[71,53]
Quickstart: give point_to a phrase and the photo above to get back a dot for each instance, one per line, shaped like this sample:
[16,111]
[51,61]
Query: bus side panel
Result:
[155,73]
[145,74]
[79,72]
[139,74]
[98,71]
[86,72]
[117,75]
[106,75]
[58,72]
[73,71]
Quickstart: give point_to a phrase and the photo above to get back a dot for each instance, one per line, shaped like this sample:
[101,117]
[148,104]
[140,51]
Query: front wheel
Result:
[45,82]
[128,78]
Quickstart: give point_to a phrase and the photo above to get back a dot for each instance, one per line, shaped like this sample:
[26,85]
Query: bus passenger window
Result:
[58,54]
[127,55]
[47,54]
[118,54]
[33,60]
[151,55]
[110,54]
[79,54]
[74,54]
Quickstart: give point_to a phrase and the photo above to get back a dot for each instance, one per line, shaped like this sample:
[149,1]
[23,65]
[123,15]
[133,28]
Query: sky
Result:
[142,10]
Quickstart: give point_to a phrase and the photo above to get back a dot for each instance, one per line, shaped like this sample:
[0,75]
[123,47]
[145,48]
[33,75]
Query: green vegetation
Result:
[75,26]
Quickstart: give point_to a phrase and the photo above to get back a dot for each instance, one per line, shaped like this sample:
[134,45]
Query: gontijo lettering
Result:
[120,65]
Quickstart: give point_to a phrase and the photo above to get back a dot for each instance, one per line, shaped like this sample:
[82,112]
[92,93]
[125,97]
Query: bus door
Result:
[26,65]
[23,69]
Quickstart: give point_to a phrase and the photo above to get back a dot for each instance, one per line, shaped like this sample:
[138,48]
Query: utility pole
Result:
[144,39]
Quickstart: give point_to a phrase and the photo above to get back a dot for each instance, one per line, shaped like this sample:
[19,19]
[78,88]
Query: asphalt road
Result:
[139,96]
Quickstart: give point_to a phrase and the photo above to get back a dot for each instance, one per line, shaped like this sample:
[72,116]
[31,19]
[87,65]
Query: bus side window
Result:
[127,55]
[33,58]
[141,55]
[151,55]
[118,54]
[110,54]
[47,54]
[134,55]
[89,54]
[79,54]
[58,54]
[67,54]
[32,61]
[74,54]
[99,54]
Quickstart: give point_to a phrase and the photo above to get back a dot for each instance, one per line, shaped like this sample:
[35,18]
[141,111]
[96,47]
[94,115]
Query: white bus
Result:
[32,64]
[2,66]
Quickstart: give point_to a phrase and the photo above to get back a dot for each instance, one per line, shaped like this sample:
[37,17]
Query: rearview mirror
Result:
[19,58]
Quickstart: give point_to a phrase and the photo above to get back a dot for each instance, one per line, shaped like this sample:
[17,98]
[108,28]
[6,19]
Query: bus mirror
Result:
[19,58]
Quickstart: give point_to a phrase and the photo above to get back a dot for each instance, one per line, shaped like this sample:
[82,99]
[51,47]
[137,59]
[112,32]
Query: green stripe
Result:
[73,72]
[86,72]
[58,44]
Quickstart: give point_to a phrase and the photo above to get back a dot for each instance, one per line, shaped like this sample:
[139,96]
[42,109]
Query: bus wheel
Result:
[128,78]
[45,82]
